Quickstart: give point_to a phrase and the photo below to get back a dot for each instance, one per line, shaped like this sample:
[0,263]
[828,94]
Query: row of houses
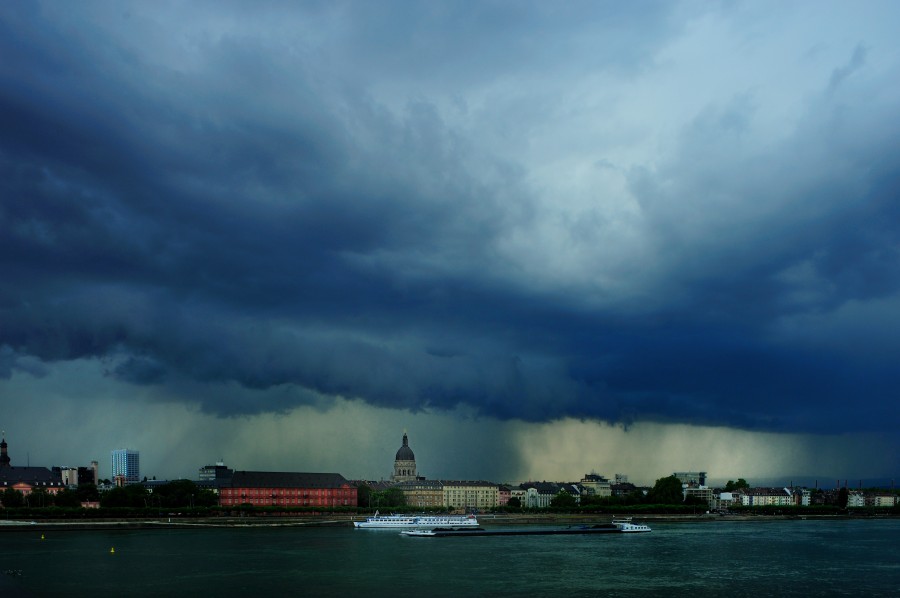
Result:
[784,497]
[861,499]
[467,495]
[751,497]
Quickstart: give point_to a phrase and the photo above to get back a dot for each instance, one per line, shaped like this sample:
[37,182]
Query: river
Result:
[717,558]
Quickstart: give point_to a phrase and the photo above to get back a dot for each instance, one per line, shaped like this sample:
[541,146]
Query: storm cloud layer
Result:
[661,212]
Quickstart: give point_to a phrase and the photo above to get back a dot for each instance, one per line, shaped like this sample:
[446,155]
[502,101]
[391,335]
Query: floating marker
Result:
[42,536]
[112,550]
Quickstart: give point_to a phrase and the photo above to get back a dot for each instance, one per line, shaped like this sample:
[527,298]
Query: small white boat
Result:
[418,532]
[624,525]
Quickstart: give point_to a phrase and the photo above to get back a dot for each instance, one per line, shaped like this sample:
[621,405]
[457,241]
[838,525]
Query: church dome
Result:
[405,453]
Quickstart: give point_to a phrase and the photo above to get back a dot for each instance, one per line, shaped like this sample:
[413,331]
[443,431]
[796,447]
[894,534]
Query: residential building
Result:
[422,493]
[596,484]
[574,490]
[288,489]
[884,500]
[89,475]
[539,494]
[73,476]
[214,477]
[208,473]
[724,500]
[703,493]
[763,497]
[691,478]
[68,475]
[470,495]
[623,489]
[856,499]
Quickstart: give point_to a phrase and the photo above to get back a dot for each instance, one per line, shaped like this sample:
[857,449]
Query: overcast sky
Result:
[543,238]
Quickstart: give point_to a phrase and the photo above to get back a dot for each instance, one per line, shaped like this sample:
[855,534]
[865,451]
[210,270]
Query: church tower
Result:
[404,463]
[4,458]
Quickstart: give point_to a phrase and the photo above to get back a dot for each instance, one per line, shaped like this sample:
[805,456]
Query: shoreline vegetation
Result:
[330,519]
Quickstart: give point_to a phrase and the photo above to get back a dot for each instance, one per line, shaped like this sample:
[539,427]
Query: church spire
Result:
[4,458]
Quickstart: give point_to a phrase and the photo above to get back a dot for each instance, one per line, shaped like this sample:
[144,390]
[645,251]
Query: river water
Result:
[718,558]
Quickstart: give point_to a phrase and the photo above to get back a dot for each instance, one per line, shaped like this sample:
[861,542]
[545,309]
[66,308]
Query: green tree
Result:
[843,497]
[87,493]
[634,497]
[66,498]
[133,495]
[394,497]
[390,498]
[364,495]
[590,499]
[741,484]
[206,498]
[39,498]
[514,502]
[666,491]
[182,493]
[563,500]
[12,498]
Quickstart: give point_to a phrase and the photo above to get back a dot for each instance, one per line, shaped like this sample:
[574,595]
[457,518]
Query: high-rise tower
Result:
[126,464]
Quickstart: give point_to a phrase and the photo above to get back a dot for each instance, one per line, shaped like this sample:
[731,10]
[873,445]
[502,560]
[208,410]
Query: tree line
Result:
[175,494]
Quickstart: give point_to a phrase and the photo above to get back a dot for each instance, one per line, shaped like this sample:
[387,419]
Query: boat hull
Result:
[463,533]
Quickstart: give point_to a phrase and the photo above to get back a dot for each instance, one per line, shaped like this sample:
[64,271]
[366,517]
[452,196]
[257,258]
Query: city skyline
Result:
[128,460]
[552,240]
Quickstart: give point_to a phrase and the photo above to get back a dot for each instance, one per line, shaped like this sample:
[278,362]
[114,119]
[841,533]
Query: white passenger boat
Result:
[404,522]
[624,525]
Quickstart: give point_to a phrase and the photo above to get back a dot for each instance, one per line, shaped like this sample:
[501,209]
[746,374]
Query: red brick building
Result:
[287,489]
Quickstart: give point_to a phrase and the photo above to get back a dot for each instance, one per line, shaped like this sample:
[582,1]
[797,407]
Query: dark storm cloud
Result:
[231,203]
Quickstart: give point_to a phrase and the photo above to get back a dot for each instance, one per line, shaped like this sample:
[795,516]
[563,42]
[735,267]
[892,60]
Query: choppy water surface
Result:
[784,558]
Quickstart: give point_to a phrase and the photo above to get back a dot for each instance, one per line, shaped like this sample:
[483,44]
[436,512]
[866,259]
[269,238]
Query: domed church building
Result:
[404,463]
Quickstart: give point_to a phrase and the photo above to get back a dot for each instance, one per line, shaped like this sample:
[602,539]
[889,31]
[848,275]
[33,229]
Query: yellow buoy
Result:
[112,550]
[42,536]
